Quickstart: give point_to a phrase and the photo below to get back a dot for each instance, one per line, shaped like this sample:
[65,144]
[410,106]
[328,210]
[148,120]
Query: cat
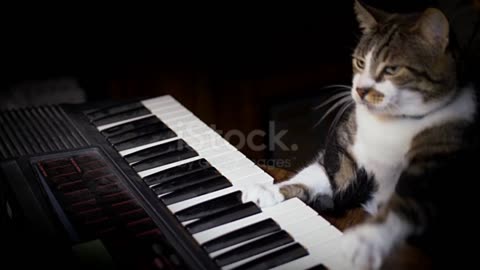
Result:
[404,145]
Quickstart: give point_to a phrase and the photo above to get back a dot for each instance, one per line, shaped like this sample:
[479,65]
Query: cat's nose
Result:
[362,91]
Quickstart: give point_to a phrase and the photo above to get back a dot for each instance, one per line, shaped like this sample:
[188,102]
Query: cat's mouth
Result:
[380,109]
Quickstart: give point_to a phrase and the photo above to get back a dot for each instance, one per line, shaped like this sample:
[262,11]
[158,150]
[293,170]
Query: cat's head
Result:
[401,65]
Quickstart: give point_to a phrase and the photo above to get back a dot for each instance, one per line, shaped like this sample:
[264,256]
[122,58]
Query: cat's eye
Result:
[391,70]
[359,63]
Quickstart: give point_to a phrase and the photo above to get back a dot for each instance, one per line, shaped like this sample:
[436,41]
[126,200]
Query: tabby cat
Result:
[404,149]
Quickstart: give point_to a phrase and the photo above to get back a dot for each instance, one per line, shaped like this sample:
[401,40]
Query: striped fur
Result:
[411,130]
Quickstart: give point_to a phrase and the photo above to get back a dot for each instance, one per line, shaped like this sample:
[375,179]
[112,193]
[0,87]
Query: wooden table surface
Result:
[406,257]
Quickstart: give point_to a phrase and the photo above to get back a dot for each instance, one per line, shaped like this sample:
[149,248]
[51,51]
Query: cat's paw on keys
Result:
[365,247]
[263,195]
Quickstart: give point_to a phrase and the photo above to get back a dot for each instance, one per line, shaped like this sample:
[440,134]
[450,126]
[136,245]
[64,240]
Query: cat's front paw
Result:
[365,247]
[263,195]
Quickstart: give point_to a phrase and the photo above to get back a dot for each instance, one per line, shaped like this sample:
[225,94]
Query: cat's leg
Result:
[308,183]
[367,245]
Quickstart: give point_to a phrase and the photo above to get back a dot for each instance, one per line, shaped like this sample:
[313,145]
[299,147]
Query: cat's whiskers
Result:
[337,86]
[339,115]
[333,98]
[392,107]
[337,104]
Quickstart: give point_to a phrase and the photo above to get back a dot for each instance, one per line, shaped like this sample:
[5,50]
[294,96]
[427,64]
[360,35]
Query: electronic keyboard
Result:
[145,185]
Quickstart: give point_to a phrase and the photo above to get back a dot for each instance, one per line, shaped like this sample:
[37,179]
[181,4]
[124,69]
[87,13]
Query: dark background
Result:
[237,67]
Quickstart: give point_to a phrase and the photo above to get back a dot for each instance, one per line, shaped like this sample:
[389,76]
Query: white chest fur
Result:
[381,144]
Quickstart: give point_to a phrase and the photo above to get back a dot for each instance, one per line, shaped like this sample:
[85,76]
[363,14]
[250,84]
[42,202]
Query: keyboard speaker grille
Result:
[37,130]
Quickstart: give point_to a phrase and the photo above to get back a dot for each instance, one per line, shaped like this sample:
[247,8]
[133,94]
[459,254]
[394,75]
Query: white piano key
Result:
[166,103]
[240,174]
[170,116]
[209,135]
[166,107]
[194,132]
[234,165]
[207,154]
[186,123]
[148,172]
[227,169]
[158,106]
[199,199]
[206,142]
[260,178]
[305,226]
[183,122]
[244,261]
[152,101]
[170,112]
[227,158]
[145,146]
[159,101]
[337,262]
[212,149]
[103,127]
[253,179]
[318,237]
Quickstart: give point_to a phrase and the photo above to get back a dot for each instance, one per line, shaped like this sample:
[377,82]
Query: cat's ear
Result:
[368,17]
[434,27]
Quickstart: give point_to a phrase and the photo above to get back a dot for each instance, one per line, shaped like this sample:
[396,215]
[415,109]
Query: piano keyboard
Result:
[156,155]
[199,176]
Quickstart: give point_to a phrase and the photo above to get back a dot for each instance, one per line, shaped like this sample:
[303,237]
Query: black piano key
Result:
[111,110]
[116,130]
[137,133]
[186,181]
[178,171]
[244,234]
[121,116]
[155,151]
[275,258]
[196,190]
[226,216]
[256,247]
[210,207]
[146,139]
[318,267]
[164,159]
